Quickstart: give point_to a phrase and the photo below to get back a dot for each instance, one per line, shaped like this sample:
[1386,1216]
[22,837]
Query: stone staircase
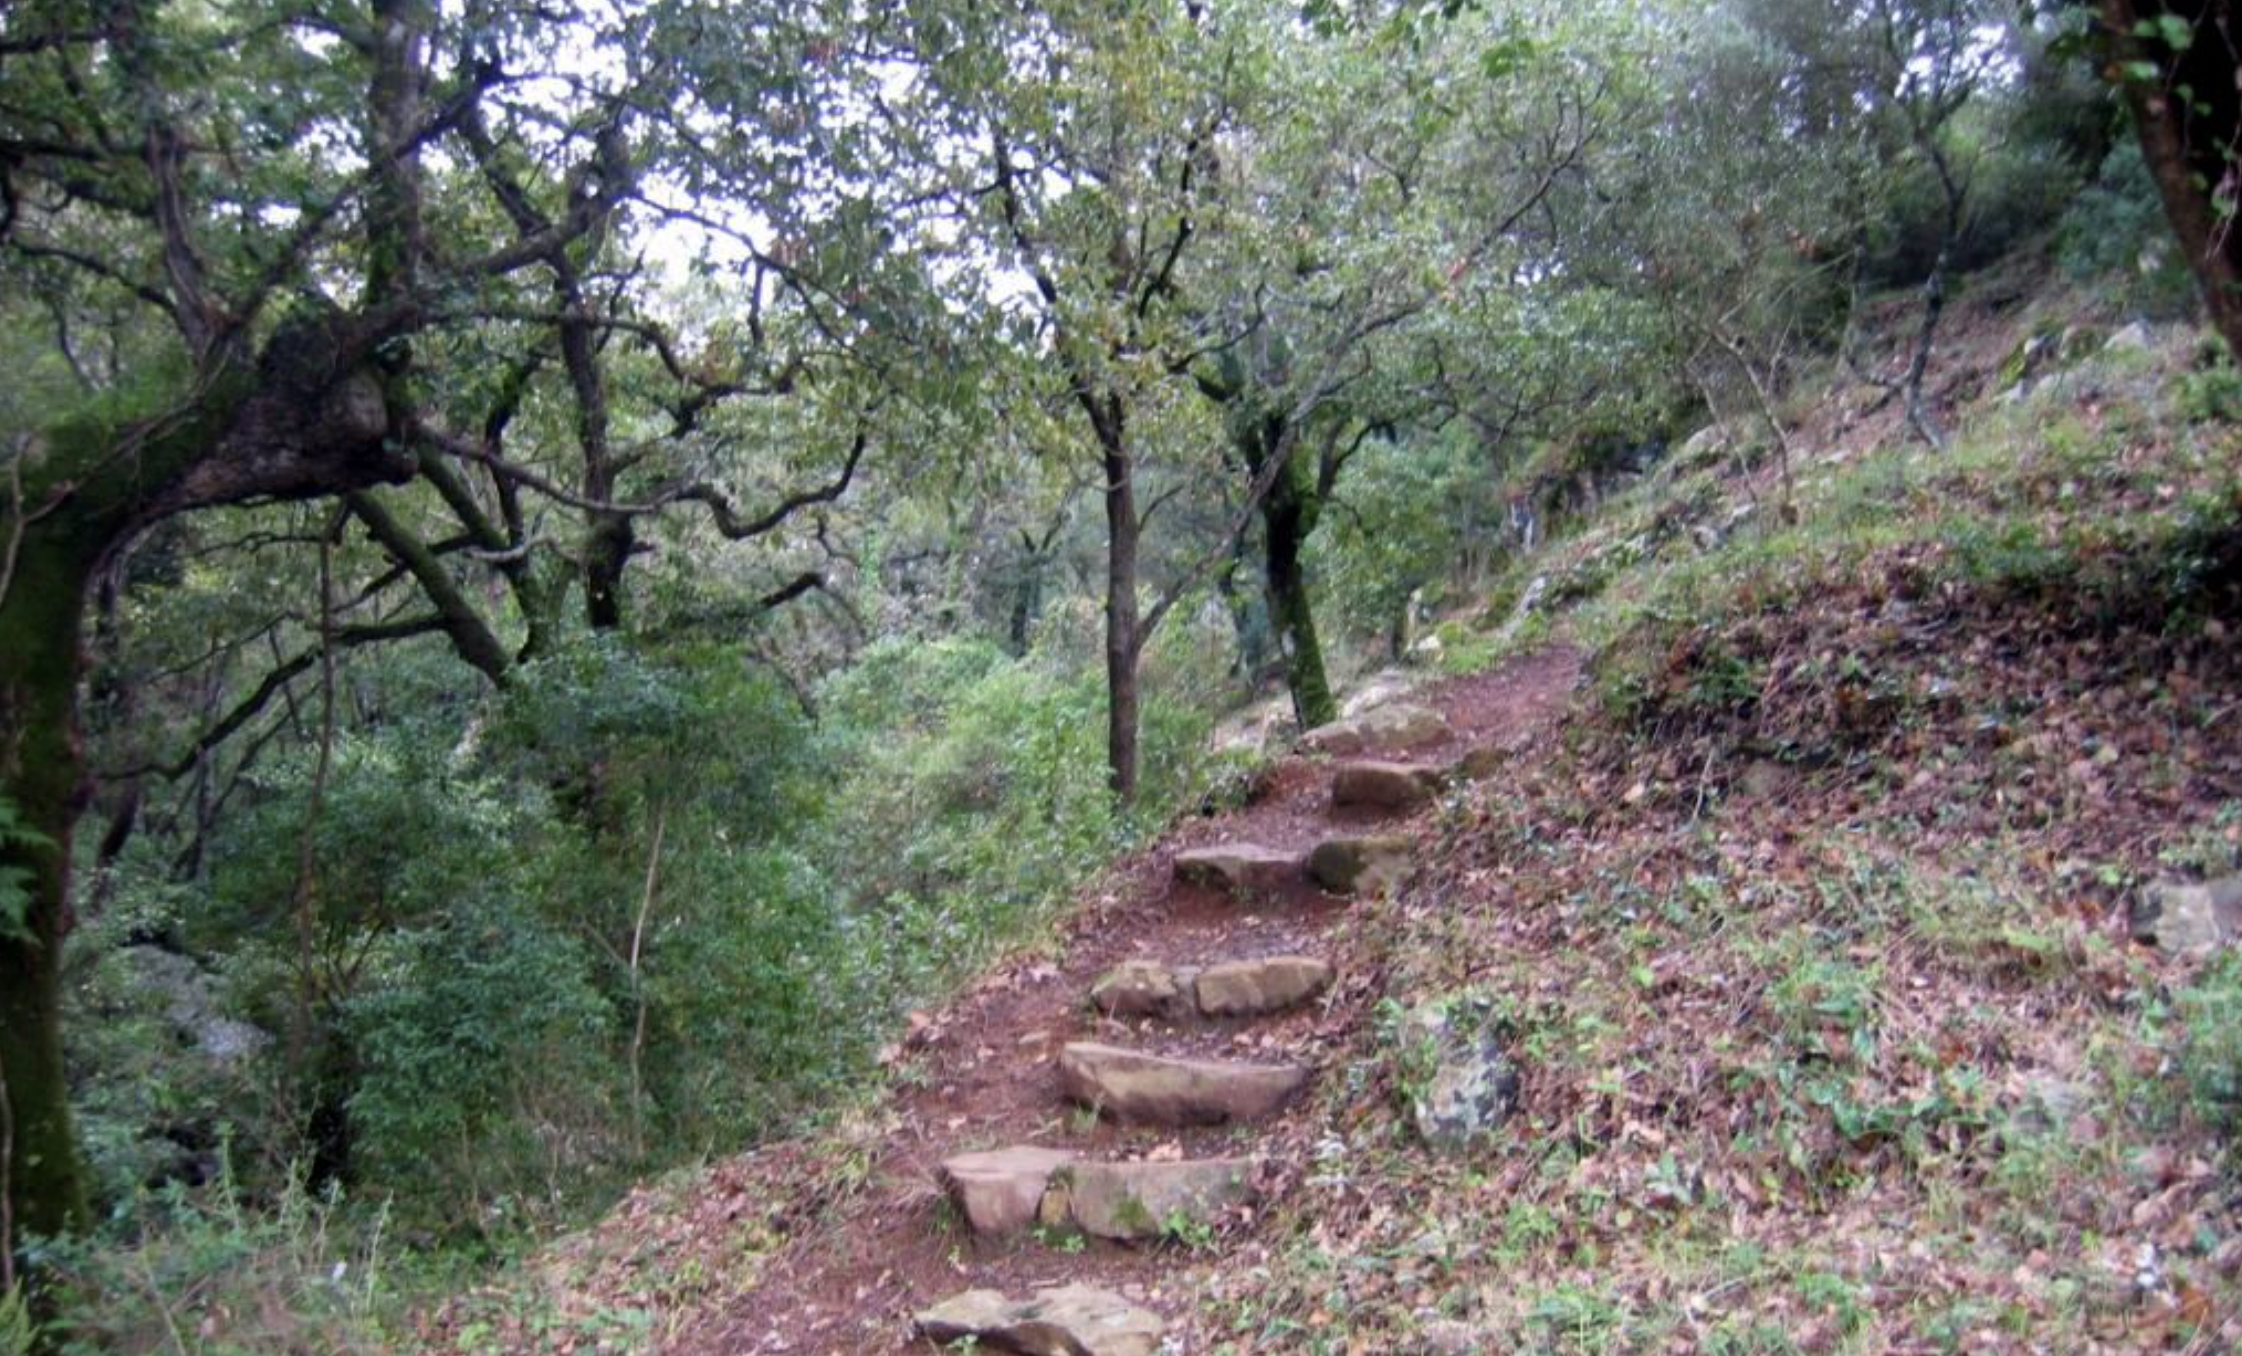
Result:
[1029,1193]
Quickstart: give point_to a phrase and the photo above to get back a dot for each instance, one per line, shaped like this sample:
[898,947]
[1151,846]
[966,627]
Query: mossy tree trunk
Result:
[1290,510]
[305,419]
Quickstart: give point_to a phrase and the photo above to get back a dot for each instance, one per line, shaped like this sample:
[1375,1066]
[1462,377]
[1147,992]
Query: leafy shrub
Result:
[2116,228]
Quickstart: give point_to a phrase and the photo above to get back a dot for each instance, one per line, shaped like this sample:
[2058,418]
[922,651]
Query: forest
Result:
[582,583]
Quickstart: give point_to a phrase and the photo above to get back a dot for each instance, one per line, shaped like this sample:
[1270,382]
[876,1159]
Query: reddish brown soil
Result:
[979,1073]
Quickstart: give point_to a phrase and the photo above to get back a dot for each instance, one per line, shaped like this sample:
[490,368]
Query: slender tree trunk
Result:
[2190,141]
[42,773]
[1121,640]
[1288,516]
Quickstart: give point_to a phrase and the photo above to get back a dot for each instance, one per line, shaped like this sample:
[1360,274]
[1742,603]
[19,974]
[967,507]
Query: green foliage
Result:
[2114,232]
[2209,1055]
[15,881]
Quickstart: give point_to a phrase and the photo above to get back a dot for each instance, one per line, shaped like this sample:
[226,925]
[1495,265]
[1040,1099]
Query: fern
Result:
[15,881]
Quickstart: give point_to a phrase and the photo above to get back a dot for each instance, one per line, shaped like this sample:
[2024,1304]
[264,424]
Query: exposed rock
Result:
[190,1003]
[1131,1086]
[2134,338]
[1074,1320]
[1001,1190]
[1255,987]
[1469,1087]
[1393,728]
[1381,688]
[2174,916]
[1384,786]
[1132,1201]
[1143,988]
[1361,864]
[1241,868]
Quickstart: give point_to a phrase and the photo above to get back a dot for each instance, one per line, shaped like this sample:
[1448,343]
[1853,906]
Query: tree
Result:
[304,300]
[2175,60]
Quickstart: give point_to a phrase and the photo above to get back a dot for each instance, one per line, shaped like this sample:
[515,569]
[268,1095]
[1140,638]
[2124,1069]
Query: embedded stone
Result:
[2174,916]
[1393,728]
[1073,1320]
[1383,786]
[1257,987]
[1131,1086]
[1472,1087]
[1240,868]
[1128,1202]
[1143,988]
[1361,864]
[999,1191]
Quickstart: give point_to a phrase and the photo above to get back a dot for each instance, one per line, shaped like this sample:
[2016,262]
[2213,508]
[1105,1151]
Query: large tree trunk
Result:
[2189,140]
[1121,638]
[304,419]
[43,778]
[1288,517]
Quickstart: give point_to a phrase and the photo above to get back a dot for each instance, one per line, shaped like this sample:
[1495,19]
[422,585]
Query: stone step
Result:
[1129,1085]
[1245,988]
[1072,1320]
[1002,1192]
[1395,727]
[1361,864]
[1370,784]
[1242,869]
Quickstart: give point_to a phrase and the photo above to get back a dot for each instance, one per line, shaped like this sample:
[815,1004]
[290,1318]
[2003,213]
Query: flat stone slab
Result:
[1383,786]
[1393,728]
[1001,1191]
[1362,864]
[1155,1089]
[2177,917]
[1240,868]
[1073,1320]
[1130,1202]
[1255,988]
[1146,988]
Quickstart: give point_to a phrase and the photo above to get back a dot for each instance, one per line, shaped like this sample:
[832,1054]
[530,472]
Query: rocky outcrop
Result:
[1383,786]
[1131,1202]
[1361,864]
[1158,1090]
[1074,1320]
[1242,869]
[1394,728]
[1001,1191]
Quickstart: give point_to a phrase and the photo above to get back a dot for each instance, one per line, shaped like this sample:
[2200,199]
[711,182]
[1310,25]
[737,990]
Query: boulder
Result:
[2175,916]
[1240,868]
[1257,987]
[2134,338]
[1143,988]
[1129,1202]
[1383,786]
[1361,864]
[1393,728]
[1000,1191]
[1074,1320]
[1380,689]
[1132,1086]
[1468,1086]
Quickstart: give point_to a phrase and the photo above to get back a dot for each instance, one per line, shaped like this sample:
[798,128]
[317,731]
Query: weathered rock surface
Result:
[1240,868]
[1361,864]
[2174,916]
[1074,1320]
[1001,1191]
[1144,988]
[1255,988]
[1132,1086]
[1128,1202]
[1383,786]
[1393,728]
[1470,1087]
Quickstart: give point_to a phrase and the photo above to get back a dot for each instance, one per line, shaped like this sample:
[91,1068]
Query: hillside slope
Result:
[1804,917]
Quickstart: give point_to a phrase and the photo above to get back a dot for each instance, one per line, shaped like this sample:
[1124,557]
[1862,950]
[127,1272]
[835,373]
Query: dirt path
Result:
[980,1075]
